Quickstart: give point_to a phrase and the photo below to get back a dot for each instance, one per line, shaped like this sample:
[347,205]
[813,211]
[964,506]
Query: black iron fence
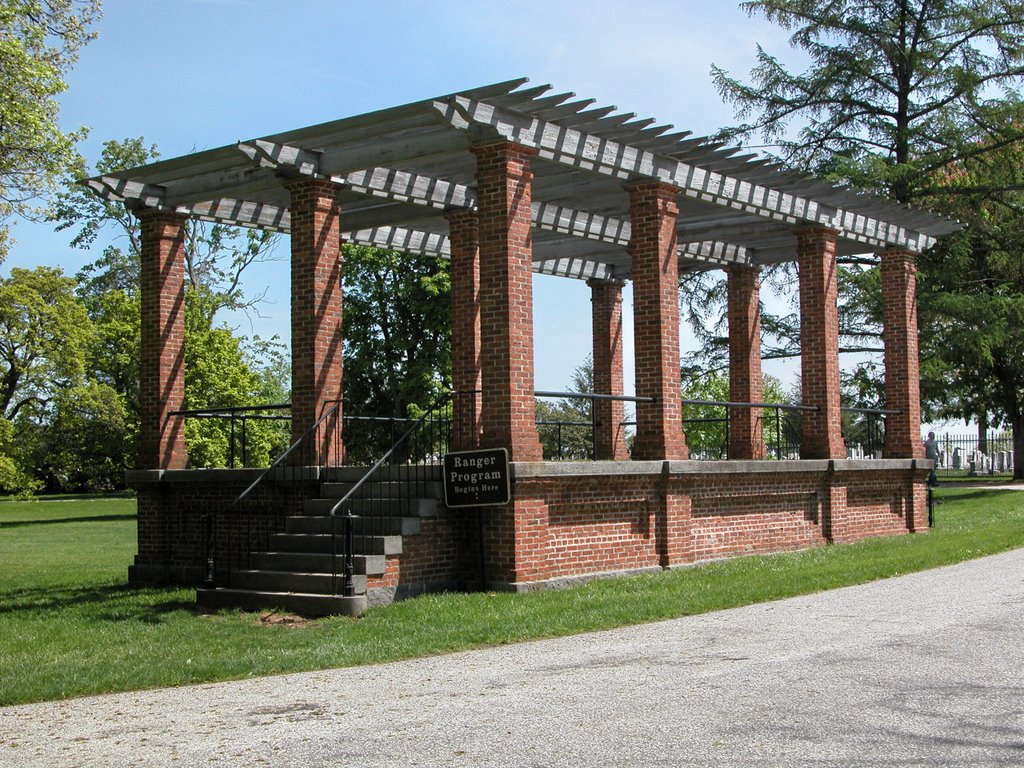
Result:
[568,427]
[233,534]
[975,455]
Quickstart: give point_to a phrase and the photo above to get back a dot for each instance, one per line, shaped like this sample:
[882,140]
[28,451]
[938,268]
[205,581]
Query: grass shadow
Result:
[114,602]
[57,520]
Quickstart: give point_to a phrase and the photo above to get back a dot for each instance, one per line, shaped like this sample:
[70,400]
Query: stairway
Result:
[295,574]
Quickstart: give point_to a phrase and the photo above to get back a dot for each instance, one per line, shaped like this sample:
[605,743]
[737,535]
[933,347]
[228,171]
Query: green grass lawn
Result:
[69,626]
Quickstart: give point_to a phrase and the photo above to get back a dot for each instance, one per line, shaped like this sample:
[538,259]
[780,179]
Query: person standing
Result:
[931,451]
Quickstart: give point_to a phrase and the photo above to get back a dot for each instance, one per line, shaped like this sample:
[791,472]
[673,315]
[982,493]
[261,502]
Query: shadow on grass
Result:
[115,602]
[86,519]
[974,492]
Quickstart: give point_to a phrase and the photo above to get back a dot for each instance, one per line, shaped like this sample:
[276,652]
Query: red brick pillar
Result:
[465,320]
[504,183]
[162,358]
[655,265]
[745,424]
[606,311]
[316,315]
[819,343]
[675,526]
[899,335]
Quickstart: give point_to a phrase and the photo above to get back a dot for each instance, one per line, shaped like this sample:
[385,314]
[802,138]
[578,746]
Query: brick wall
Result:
[568,526]
[171,527]
[444,555]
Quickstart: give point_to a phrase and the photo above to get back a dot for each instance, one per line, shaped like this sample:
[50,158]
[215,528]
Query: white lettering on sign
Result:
[476,462]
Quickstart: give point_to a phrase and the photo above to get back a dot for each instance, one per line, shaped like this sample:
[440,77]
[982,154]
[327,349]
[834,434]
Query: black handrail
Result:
[210,577]
[349,586]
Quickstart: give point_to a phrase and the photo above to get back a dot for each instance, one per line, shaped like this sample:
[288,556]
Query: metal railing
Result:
[238,418]
[405,476]
[245,526]
[366,437]
[974,455]
[581,445]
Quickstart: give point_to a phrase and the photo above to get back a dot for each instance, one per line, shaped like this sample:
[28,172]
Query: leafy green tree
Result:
[44,334]
[565,426]
[397,356]
[897,96]
[39,43]
[218,374]
[895,92]
[88,442]
[15,467]
[706,426]
[972,300]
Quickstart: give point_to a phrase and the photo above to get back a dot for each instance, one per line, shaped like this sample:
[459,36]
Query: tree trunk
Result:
[983,433]
[1017,428]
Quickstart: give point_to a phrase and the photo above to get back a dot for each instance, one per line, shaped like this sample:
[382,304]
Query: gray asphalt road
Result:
[926,669]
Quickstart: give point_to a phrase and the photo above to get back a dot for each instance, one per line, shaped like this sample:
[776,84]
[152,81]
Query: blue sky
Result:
[196,74]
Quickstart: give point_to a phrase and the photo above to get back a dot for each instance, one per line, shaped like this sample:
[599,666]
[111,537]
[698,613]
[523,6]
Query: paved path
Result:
[926,669]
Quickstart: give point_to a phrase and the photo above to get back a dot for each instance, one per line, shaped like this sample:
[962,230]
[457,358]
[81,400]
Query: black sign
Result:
[476,478]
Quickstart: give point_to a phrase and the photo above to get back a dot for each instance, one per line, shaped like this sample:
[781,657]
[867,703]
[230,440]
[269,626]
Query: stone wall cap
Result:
[525,469]
[538,469]
[145,476]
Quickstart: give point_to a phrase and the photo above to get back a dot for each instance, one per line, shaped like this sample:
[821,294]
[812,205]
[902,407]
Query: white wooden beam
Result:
[620,160]
[409,187]
[117,190]
[717,252]
[401,239]
[240,213]
[267,154]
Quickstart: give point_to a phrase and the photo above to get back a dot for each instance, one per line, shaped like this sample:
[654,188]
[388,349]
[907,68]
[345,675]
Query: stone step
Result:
[316,562]
[376,526]
[321,543]
[290,581]
[389,489]
[304,604]
[392,507]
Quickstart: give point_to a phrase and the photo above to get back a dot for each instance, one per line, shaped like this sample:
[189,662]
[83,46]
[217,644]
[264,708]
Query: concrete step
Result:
[388,489]
[288,581]
[304,604]
[316,562]
[393,507]
[377,526]
[321,543]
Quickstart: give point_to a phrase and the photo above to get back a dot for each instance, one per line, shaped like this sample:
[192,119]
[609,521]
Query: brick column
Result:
[675,525]
[504,183]
[819,343]
[899,335]
[606,312]
[745,424]
[655,265]
[464,238]
[162,358]
[316,313]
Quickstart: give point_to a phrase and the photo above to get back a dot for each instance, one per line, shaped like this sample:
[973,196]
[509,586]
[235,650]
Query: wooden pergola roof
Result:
[403,167]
